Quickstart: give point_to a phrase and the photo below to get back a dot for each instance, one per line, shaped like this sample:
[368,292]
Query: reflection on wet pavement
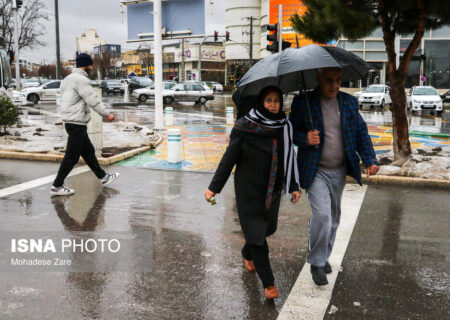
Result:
[396,265]
[197,269]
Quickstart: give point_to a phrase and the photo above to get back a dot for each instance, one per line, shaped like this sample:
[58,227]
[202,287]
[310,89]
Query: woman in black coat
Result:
[262,150]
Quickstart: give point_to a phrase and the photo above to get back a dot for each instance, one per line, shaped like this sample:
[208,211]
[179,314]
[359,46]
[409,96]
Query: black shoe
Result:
[319,276]
[328,268]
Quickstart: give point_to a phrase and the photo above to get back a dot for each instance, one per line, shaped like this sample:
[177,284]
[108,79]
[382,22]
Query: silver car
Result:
[144,94]
[191,92]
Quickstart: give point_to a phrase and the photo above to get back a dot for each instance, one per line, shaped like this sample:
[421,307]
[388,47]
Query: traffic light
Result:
[216,36]
[273,47]
[19,3]
[227,36]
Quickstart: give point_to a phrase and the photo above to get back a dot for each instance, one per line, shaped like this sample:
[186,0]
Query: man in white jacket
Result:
[77,99]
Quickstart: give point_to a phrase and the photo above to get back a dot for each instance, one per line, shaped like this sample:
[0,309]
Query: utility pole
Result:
[16,42]
[182,60]
[58,55]
[157,27]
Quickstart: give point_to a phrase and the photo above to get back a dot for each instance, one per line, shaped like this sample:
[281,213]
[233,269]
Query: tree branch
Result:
[418,35]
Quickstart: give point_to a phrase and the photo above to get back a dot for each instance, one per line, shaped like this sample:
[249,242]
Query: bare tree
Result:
[31,18]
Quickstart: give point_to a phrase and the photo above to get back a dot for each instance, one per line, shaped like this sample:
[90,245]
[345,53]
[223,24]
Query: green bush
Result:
[9,114]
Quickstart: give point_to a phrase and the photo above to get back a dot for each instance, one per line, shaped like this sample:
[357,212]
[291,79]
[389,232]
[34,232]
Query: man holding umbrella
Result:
[331,137]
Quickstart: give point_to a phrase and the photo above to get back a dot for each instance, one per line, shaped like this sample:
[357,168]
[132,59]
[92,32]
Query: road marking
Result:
[306,300]
[37,182]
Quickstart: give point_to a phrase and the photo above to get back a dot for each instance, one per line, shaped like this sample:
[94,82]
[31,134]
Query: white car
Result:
[32,82]
[46,91]
[18,97]
[149,92]
[217,87]
[375,95]
[357,94]
[424,98]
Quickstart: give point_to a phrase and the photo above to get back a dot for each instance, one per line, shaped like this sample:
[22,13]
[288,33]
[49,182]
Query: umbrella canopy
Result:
[285,69]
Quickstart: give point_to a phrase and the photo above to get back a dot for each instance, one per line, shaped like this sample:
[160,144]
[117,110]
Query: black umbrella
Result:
[292,67]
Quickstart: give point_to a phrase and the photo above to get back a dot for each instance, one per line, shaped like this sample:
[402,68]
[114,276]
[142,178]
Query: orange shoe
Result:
[271,292]
[249,265]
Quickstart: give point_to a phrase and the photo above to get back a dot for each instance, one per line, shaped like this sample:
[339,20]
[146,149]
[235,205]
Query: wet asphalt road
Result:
[395,267]
[197,271]
[397,263]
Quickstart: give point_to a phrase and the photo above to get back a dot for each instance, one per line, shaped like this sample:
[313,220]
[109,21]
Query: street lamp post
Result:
[58,57]
[16,42]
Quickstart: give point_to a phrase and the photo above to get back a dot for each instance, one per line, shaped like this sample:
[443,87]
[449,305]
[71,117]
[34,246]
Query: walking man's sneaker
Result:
[328,268]
[319,276]
[109,178]
[61,191]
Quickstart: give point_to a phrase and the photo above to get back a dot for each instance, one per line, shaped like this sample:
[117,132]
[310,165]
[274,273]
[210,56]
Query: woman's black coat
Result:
[252,154]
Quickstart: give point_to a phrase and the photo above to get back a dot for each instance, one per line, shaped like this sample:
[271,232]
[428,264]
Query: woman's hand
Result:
[209,194]
[295,196]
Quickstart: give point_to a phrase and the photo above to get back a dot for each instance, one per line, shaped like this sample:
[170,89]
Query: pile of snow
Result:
[429,163]
[47,138]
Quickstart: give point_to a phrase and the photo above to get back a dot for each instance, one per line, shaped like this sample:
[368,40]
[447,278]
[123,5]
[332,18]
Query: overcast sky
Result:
[103,15]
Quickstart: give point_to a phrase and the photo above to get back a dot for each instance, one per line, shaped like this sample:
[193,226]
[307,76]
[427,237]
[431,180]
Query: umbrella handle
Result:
[307,105]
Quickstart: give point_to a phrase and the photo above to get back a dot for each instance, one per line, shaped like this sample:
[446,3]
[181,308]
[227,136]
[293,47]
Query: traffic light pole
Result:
[16,42]
[157,27]
[280,27]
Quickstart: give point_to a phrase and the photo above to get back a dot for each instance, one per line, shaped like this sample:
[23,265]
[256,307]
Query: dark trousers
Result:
[260,257]
[78,144]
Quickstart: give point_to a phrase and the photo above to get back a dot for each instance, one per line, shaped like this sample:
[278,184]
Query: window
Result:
[375,45]
[425,92]
[348,45]
[197,87]
[374,89]
[376,56]
[53,85]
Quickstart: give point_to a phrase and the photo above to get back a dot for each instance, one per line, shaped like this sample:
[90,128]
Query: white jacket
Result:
[78,97]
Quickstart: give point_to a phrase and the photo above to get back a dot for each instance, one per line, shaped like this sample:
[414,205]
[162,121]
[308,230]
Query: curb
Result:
[53,157]
[403,181]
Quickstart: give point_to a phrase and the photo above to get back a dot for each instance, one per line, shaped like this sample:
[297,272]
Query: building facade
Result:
[431,61]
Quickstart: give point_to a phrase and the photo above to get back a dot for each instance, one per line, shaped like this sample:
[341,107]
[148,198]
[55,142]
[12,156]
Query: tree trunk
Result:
[401,145]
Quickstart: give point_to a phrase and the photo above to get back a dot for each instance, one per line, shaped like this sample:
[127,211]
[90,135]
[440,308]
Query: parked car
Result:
[32,82]
[111,87]
[357,94]
[96,83]
[446,96]
[144,94]
[375,95]
[138,83]
[216,86]
[45,91]
[190,92]
[424,98]
[18,97]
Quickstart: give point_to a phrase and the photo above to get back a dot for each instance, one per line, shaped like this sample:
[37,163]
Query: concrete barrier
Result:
[230,115]
[169,116]
[174,146]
